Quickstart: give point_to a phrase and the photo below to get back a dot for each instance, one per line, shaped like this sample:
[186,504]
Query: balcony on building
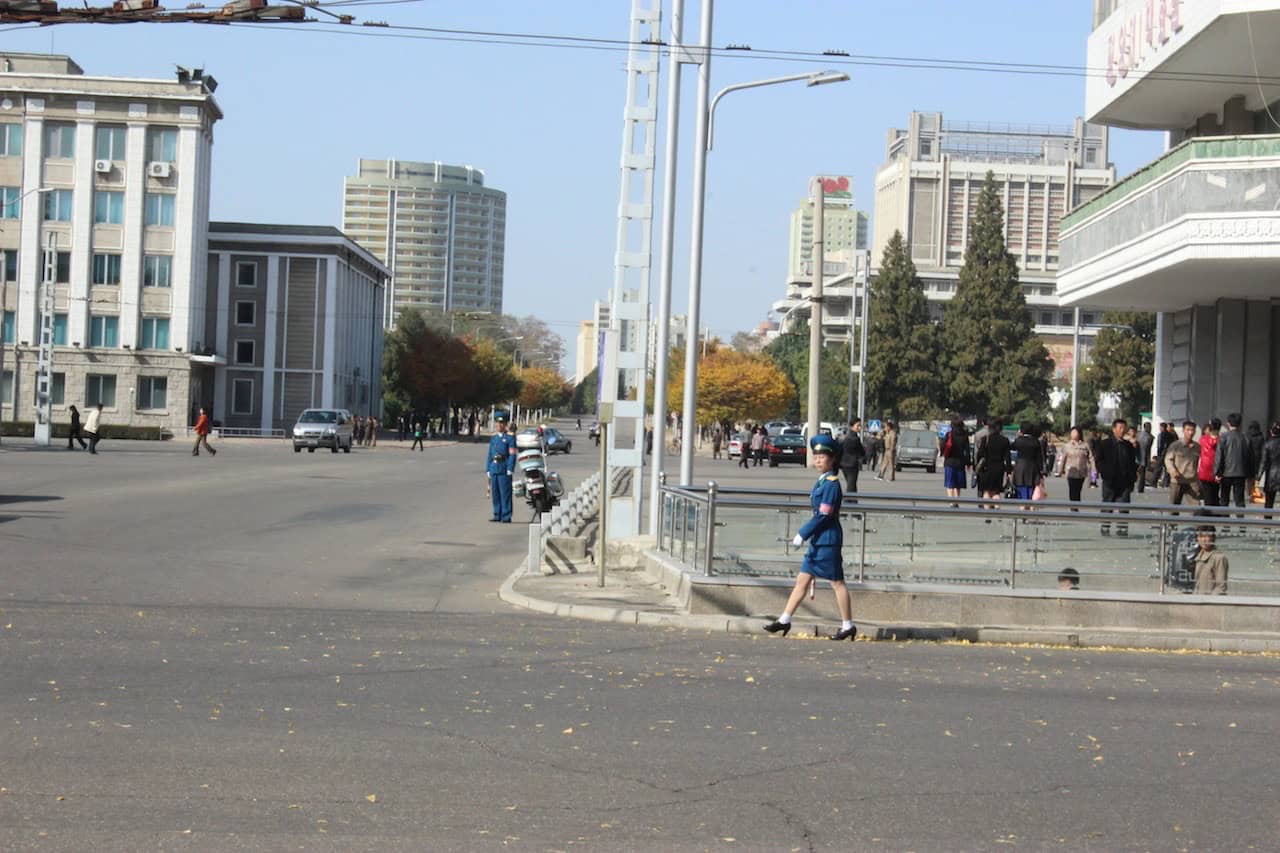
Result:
[1198,224]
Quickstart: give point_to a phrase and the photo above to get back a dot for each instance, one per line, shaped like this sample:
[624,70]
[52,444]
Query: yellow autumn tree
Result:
[736,386]
[543,389]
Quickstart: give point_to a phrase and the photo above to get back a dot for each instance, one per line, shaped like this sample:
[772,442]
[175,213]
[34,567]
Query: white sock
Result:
[784,619]
[846,625]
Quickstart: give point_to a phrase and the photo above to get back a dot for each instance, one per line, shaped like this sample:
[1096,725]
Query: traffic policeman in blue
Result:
[826,539]
[499,467]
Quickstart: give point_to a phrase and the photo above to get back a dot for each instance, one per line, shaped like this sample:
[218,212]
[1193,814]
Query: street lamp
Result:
[4,301]
[705,118]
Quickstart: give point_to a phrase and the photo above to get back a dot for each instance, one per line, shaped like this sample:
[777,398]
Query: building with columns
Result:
[1195,234]
[294,320]
[108,179]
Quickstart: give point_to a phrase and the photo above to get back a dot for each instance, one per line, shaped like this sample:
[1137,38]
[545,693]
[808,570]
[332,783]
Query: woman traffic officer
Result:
[826,538]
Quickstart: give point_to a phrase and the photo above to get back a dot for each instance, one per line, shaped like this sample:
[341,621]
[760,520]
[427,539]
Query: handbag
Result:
[1039,493]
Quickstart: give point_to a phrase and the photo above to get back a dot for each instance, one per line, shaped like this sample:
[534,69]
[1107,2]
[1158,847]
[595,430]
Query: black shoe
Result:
[495,519]
[776,626]
[847,634]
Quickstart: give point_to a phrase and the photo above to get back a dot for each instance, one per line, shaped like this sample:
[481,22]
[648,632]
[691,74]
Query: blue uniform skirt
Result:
[824,561]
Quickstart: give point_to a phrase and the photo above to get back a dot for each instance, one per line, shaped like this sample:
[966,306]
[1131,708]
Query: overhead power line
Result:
[746,53]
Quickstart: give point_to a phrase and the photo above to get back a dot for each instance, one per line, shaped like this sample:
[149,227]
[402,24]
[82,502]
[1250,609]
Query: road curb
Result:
[883,632]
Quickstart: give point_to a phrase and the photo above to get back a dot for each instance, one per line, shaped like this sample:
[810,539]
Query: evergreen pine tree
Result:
[994,363]
[902,345]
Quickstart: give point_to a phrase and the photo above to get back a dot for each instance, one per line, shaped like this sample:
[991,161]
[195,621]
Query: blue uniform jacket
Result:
[502,454]
[824,530]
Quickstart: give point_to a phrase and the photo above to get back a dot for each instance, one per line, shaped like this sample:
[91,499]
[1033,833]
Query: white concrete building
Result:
[928,189]
[1195,235]
[294,321]
[112,173]
[439,229]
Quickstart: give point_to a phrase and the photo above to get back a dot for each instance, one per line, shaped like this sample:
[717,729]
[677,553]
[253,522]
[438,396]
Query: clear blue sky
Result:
[302,105]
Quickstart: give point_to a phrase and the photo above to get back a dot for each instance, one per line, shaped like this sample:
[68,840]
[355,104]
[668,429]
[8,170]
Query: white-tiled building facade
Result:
[113,175]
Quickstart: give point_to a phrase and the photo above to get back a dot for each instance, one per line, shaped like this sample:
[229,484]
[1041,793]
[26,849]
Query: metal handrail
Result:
[704,502]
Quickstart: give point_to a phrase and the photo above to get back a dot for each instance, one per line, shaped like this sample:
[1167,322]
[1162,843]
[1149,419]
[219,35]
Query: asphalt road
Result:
[264,651]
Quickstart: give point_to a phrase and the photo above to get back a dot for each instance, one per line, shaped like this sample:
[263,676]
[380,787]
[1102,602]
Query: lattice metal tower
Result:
[629,297]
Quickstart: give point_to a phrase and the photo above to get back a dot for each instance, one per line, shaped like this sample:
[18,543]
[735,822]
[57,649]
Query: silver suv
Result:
[329,428]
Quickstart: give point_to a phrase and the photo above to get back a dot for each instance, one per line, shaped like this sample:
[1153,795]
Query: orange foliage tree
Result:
[735,386]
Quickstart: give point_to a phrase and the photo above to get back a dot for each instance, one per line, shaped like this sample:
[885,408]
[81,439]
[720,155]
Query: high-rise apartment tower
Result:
[438,228]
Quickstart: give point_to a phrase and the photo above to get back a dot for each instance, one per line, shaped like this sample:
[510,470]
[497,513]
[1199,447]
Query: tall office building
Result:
[928,189]
[1193,235]
[438,228]
[844,253]
[109,179]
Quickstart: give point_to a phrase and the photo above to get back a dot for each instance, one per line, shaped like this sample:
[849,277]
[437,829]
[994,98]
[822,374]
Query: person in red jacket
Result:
[202,435]
[1208,451]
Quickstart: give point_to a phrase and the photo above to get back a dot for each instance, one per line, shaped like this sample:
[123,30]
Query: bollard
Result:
[708,568]
[534,566]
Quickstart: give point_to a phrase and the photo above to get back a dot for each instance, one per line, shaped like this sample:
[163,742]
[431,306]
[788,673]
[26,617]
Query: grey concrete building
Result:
[1195,234]
[294,320]
[439,229]
[113,174]
[928,189]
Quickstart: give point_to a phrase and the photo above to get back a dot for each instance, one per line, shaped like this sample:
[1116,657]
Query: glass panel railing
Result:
[1148,549]
[755,542]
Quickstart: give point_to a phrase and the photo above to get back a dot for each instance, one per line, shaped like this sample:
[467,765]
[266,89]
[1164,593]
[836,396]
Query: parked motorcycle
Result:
[541,489]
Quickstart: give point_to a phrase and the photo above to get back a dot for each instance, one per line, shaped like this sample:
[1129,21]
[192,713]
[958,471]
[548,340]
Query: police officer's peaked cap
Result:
[501,417]
[823,443]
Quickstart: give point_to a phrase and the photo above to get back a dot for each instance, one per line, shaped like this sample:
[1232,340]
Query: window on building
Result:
[106,269]
[104,331]
[10,202]
[108,207]
[100,388]
[162,144]
[244,352]
[60,141]
[62,268]
[242,396]
[158,209]
[1087,318]
[10,265]
[1046,318]
[246,313]
[157,270]
[152,392]
[6,387]
[10,140]
[110,143]
[10,327]
[57,388]
[57,206]
[60,330]
[155,333]
[246,274]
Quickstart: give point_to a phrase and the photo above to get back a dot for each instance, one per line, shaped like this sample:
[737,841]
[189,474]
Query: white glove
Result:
[798,540]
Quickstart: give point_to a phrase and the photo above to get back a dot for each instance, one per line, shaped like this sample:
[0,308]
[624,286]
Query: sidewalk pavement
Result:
[632,597]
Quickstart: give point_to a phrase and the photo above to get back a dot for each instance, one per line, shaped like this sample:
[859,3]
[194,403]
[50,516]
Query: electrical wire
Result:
[834,58]
[1253,54]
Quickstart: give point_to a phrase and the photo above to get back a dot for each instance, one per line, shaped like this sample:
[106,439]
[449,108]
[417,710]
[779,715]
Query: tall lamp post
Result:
[4,301]
[703,142]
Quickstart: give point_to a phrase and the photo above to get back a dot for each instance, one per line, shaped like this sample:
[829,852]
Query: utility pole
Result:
[815,311]
[43,429]
[662,342]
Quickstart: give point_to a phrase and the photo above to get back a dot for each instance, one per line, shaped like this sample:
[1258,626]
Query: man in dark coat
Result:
[1117,461]
[851,455]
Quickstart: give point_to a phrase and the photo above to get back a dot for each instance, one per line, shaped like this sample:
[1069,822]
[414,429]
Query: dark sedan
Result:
[785,448]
